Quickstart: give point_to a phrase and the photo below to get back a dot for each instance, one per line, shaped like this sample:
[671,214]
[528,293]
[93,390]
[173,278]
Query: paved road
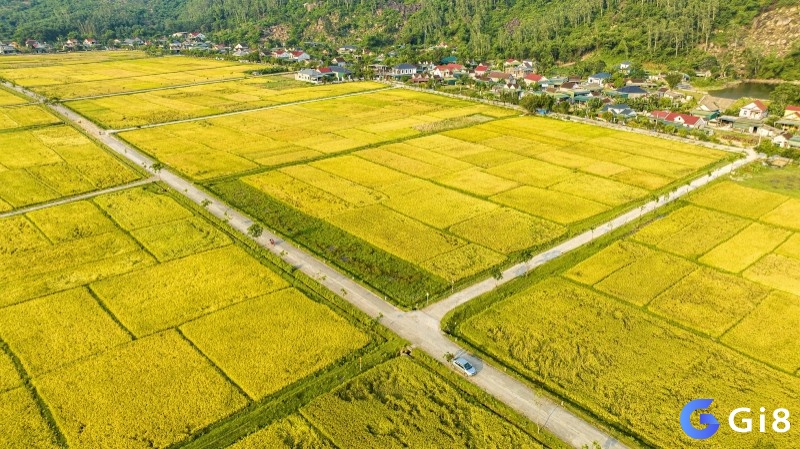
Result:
[419,327]
[227,114]
[438,310]
[72,199]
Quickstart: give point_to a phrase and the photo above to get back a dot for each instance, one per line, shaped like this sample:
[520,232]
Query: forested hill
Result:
[551,31]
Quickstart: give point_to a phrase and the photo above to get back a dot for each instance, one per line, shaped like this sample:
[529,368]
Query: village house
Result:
[480,70]
[339,62]
[790,119]
[347,49]
[674,118]
[500,77]
[300,56]
[7,49]
[599,78]
[449,70]
[618,110]
[197,37]
[309,75]
[533,78]
[71,44]
[510,65]
[632,92]
[754,111]
[89,42]
[404,69]
[786,140]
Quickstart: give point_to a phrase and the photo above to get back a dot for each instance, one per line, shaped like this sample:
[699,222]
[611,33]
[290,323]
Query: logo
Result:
[711,423]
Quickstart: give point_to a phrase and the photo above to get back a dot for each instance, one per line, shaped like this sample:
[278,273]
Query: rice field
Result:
[456,207]
[128,111]
[225,146]
[9,98]
[633,329]
[112,76]
[43,164]
[401,404]
[139,323]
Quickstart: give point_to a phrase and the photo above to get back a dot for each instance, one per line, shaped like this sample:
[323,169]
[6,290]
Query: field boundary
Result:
[72,199]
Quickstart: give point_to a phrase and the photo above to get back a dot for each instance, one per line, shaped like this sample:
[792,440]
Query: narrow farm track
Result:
[246,111]
[177,86]
[438,310]
[421,327]
[72,199]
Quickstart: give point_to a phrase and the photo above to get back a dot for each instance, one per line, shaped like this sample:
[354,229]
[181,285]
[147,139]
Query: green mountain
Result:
[673,32]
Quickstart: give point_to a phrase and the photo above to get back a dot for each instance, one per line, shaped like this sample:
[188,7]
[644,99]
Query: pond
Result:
[753,90]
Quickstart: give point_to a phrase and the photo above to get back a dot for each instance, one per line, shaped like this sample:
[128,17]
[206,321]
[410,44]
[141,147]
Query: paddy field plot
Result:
[9,98]
[127,111]
[115,76]
[130,313]
[455,204]
[633,329]
[72,58]
[25,116]
[399,403]
[225,146]
[43,164]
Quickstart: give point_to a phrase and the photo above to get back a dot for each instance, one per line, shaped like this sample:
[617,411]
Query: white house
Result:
[300,55]
[309,75]
[755,110]
[404,70]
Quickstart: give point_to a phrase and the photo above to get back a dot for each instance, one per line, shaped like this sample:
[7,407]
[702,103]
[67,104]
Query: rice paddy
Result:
[461,202]
[116,75]
[139,323]
[632,329]
[128,111]
[43,164]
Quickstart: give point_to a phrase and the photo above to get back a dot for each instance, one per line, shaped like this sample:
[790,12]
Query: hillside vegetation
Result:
[662,31]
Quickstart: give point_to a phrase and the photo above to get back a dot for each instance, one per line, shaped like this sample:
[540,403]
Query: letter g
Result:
[712,425]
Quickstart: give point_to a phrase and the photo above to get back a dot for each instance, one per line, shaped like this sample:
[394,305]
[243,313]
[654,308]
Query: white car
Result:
[464,366]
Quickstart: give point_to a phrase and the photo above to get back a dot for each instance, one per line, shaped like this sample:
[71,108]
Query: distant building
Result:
[632,92]
[790,119]
[754,111]
[618,110]
[309,75]
[401,70]
[599,78]
[674,118]
[533,78]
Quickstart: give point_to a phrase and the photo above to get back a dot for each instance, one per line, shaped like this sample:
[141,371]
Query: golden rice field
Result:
[9,98]
[38,165]
[111,76]
[127,111]
[702,302]
[63,59]
[401,404]
[24,116]
[460,202]
[289,433]
[228,145]
[139,323]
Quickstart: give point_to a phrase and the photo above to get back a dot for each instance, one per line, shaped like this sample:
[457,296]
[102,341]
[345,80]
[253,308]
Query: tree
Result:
[156,167]
[532,103]
[255,231]
[673,79]
[783,95]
